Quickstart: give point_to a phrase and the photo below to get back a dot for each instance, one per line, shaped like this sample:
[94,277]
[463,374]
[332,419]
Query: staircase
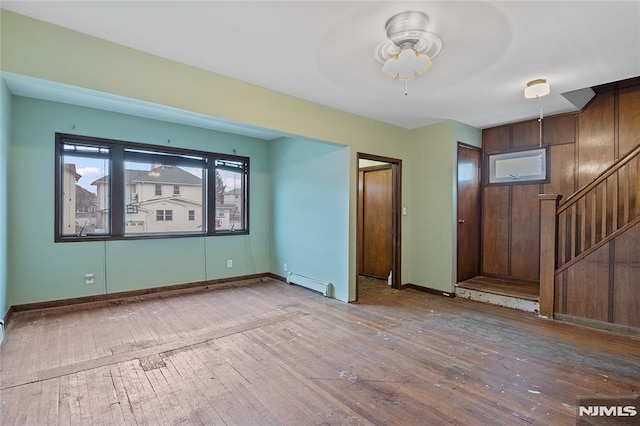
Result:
[590,249]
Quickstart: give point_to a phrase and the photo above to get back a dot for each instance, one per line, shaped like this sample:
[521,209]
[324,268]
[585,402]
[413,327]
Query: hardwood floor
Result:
[264,352]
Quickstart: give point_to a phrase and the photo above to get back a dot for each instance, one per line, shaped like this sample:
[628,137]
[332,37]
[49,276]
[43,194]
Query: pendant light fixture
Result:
[536,89]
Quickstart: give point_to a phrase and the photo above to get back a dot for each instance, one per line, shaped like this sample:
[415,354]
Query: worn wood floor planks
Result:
[269,353]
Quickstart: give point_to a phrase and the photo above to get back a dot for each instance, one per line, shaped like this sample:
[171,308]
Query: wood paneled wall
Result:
[604,286]
[582,145]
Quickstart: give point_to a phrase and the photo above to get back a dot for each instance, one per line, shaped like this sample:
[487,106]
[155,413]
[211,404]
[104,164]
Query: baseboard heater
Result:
[311,283]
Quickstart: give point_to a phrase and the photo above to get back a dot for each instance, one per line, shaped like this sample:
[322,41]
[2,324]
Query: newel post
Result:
[548,207]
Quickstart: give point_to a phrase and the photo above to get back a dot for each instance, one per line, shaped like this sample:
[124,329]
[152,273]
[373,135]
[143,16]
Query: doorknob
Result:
[461,221]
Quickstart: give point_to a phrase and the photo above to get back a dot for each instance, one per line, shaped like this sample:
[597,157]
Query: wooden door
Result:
[468,212]
[377,222]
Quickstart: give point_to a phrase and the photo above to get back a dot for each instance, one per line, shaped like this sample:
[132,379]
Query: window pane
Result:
[154,210]
[85,195]
[229,200]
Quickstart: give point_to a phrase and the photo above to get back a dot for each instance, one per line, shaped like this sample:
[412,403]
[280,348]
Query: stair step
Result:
[522,295]
[498,299]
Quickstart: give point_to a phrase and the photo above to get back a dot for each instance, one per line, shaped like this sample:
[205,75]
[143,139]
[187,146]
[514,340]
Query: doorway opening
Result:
[378,241]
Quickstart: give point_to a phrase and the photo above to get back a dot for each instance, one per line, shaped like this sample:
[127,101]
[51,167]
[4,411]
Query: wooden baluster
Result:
[608,183]
[595,216]
[634,188]
[573,229]
[614,202]
[581,232]
[562,238]
[623,199]
[588,216]
[568,243]
[590,231]
[603,211]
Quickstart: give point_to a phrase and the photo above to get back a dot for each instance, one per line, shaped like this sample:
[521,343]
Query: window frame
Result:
[527,155]
[118,208]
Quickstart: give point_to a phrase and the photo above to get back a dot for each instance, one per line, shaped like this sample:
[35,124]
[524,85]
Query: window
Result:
[83,190]
[230,194]
[109,189]
[519,166]
[146,169]
[162,215]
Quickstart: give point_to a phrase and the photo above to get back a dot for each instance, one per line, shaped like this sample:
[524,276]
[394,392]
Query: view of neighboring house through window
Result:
[84,210]
[230,190]
[112,189]
[145,172]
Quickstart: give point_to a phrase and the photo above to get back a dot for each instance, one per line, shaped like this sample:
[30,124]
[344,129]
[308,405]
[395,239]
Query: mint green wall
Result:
[466,134]
[5,135]
[432,206]
[42,270]
[310,197]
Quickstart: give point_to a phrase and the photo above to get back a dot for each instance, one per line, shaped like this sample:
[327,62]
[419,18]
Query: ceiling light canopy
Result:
[410,48]
[536,88]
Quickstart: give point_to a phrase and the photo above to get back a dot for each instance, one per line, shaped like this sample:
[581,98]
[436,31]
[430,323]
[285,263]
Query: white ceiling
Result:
[322,51]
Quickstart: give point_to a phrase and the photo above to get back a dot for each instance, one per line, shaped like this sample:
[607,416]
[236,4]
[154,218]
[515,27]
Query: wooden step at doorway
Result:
[521,295]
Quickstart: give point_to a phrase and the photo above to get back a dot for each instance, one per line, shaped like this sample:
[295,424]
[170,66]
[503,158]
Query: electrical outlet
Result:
[229,263]
[89,279]
[286,268]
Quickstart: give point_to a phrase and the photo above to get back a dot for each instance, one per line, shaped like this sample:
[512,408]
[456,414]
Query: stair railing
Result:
[599,209]
[589,218]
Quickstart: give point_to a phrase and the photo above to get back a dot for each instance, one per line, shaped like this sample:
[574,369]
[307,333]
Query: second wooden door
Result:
[377,222]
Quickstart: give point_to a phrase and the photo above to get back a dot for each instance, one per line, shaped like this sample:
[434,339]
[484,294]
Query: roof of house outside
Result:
[174,200]
[162,174]
[71,168]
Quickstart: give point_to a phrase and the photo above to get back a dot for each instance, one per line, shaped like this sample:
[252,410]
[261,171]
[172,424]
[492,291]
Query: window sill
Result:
[75,238]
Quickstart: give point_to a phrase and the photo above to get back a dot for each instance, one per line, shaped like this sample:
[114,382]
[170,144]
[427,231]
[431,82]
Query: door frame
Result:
[396,216]
[478,208]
